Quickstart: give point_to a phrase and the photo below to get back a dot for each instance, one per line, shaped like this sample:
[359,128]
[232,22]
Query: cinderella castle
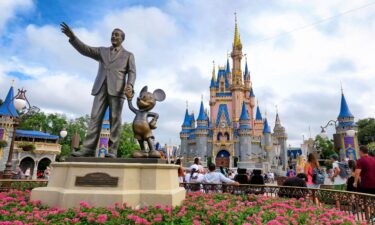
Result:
[233,133]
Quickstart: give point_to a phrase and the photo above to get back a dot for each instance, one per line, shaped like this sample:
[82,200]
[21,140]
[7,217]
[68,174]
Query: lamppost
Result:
[323,133]
[63,133]
[22,105]
[348,133]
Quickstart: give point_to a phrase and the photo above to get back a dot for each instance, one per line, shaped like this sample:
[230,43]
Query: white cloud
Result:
[174,47]
[9,8]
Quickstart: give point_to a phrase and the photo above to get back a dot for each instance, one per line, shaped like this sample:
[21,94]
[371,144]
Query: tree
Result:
[324,146]
[79,126]
[366,131]
[36,121]
[371,149]
[1,101]
[127,142]
[53,124]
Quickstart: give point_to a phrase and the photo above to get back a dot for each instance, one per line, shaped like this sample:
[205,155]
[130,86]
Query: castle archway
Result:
[222,158]
[42,165]
[26,163]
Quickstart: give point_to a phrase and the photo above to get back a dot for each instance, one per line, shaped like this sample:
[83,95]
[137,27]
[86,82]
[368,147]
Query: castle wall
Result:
[245,147]
[201,143]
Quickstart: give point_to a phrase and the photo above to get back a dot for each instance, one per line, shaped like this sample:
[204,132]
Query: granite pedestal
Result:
[104,182]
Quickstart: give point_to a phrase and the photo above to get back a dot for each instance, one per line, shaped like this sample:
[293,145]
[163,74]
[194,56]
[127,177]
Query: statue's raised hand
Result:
[66,30]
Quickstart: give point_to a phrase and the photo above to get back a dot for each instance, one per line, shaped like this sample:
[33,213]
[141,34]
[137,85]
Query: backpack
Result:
[291,173]
[344,170]
[318,176]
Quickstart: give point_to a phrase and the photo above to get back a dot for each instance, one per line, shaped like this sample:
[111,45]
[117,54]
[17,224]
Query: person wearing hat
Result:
[338,181]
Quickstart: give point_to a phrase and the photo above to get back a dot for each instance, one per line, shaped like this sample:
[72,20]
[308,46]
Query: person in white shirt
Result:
[213,177]
[271,177]
[338,181]
[196,176]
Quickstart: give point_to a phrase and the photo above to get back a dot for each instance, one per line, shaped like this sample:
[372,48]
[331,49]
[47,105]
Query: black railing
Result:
[362,206]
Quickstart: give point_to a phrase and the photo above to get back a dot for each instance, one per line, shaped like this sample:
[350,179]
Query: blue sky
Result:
[298,52]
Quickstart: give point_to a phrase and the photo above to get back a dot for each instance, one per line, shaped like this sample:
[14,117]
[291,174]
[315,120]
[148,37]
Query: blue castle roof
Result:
[35,134]
[266,128]
[344,109]
[258,114]
[252,92]
[212,83]
[191,118]
[222,109]
[186,122]
[7,108]
[222,73]
[228,67]
[244,114]
[202,115]
[246,71]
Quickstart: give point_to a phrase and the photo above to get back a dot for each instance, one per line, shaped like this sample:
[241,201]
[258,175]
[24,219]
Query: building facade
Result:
[233,132]
[46,145]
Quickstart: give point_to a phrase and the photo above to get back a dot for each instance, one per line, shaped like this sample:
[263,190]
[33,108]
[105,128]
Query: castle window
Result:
[219,135]
[227,136]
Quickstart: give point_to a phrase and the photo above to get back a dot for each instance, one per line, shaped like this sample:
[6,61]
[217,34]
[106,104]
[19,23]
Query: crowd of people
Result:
[357,176]
[196,173]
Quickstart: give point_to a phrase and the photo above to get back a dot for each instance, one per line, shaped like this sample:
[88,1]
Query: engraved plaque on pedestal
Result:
[96,180]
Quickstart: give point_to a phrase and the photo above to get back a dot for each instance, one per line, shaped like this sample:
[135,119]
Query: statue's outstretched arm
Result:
[92,52]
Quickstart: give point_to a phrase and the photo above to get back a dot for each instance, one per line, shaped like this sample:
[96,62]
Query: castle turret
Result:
[281,136]
[228,72]
[258,123]
[7,108]
[267,139]
[252,105]
[237,86]
[246,78]
[7,114]
[201,133]
[244,133]
[213,85]
[184,135]
[349,144]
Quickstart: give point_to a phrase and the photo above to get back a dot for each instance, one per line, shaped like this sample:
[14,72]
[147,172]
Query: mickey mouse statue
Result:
[141,126]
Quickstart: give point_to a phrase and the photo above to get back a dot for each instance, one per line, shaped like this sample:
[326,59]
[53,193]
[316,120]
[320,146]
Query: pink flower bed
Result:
[198,208]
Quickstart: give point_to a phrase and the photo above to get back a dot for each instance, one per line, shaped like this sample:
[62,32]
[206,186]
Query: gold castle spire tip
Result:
[237,40]
[213,71]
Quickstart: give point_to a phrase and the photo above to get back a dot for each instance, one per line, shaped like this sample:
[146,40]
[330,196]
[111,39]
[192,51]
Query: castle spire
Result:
[202,115]
[244,114]
[186,122]
[277,121]
[258,114]
[7,108]
[213,71]
[237,40]
[266,128]
[228,66]
[246,69]
[344,109]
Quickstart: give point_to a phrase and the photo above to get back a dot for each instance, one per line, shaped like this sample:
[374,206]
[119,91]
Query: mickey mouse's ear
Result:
[144,89]
[159,95]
